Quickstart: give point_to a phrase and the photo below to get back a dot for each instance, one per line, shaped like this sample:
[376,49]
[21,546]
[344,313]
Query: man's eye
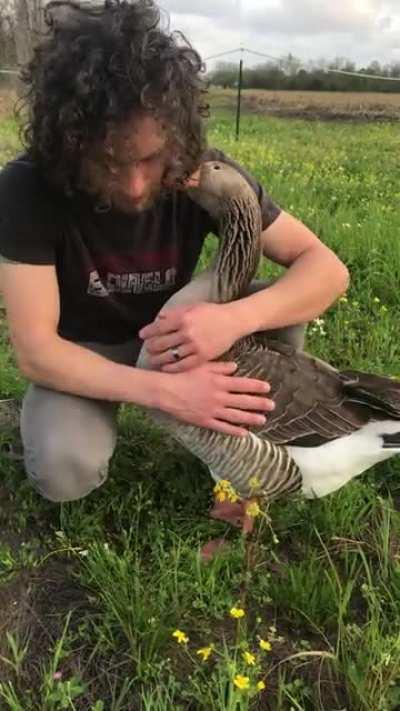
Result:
[152,159]
[106,164]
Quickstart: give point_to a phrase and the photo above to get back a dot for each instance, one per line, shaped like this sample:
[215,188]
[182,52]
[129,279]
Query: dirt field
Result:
[296,104]
[312,104]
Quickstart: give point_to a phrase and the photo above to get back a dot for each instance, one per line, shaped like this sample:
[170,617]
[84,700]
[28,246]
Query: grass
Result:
[91,592]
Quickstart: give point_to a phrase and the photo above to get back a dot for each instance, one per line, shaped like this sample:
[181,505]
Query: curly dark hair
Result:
[95,67]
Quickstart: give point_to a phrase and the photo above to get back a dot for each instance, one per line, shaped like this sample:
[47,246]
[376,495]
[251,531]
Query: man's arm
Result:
[209,397]
[32,300]
[315,277]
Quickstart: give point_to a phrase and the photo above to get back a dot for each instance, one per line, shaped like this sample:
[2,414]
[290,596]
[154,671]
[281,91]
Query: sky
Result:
[360,30]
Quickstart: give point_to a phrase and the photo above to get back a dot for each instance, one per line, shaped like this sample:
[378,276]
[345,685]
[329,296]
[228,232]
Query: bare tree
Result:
[22,32]
[7,47]
[28,27]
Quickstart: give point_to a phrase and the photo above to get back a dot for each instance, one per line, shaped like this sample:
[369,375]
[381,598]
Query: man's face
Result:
[129,165]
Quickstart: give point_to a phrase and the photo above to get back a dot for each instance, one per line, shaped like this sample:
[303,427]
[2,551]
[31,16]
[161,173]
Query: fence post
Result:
[239,99]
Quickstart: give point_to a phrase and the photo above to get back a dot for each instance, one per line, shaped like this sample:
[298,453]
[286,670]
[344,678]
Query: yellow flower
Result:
[249,658]
[237,612]
[266,646]
[205,652]
[343,299]
[242,682]
[254,482]
[253,509]
[181,638]
[224,491]
[260,686]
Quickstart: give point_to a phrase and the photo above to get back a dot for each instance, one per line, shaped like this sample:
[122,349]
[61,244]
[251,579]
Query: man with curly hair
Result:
[96,233]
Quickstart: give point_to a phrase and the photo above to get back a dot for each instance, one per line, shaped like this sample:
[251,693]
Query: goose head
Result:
[227,196]
[216,185]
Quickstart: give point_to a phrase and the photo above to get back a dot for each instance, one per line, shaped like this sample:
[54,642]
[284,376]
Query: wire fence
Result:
[232,101]
[278,60]
[301,103]
[281,60]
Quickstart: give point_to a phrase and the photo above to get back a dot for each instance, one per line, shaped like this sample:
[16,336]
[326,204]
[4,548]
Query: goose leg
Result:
[233,513]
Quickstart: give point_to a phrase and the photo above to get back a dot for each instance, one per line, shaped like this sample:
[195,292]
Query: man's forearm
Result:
[68,367]
[307,289]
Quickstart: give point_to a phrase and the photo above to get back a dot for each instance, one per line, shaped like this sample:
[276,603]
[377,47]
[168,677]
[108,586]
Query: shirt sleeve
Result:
[28,226]
[270,211]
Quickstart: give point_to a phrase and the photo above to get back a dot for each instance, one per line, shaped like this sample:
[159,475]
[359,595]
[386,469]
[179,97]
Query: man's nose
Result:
[137,181]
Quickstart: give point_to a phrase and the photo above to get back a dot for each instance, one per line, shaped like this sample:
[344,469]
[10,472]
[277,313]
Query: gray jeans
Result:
[69,440]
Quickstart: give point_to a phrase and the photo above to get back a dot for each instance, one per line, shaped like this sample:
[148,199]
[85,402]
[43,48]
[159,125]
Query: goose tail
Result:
[378,392]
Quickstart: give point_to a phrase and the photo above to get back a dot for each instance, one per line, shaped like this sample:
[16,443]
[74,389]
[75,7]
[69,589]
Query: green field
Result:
[91,592]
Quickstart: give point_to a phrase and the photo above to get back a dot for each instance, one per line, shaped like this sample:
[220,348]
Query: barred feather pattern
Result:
[242,461]
[240,251]
[253,465]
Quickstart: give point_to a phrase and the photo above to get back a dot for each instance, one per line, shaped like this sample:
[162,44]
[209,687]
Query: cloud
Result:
[202,8]
[362,30]
[385,23]
[313,17]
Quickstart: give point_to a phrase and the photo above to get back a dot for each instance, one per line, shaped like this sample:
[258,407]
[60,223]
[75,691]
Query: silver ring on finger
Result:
[175,354]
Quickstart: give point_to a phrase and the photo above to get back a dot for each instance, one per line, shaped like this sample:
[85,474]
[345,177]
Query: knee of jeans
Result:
[60,473]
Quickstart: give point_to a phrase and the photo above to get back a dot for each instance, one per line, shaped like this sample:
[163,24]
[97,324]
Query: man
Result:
[96,234]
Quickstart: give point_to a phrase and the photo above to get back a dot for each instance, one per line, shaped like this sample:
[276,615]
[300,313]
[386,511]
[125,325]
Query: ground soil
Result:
[317,105]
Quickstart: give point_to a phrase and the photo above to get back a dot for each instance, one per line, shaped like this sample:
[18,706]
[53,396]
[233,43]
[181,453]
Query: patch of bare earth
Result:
[320,105]
[34,605]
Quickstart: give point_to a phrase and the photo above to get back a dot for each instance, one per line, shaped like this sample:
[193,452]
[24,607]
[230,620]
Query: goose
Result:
[328,425]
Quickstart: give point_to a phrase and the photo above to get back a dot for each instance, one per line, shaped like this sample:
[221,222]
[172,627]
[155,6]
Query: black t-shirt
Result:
[115,271]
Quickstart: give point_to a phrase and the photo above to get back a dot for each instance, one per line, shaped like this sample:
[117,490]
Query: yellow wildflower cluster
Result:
[224,491]
[242,682]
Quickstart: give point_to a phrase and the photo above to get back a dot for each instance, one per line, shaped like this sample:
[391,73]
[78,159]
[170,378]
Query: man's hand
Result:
[210,397]
[197,334]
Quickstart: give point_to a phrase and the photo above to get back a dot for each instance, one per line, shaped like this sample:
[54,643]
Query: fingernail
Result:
[271,405]
[261,420]
[267,387]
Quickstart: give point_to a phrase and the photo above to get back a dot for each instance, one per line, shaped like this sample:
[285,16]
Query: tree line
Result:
[290,73]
